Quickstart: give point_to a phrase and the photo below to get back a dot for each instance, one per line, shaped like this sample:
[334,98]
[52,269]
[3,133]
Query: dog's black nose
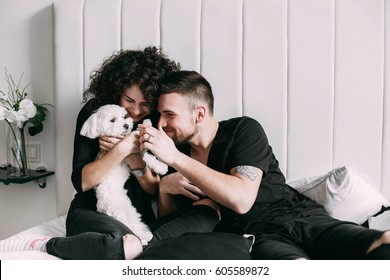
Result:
[126,126]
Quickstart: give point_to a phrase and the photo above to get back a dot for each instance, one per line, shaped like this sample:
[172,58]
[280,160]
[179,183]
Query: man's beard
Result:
[186,139]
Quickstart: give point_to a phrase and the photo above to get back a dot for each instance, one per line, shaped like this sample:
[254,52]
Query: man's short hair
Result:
[191,85]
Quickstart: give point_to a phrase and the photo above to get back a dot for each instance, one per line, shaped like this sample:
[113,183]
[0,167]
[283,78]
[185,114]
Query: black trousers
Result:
[93,236]
[311,237]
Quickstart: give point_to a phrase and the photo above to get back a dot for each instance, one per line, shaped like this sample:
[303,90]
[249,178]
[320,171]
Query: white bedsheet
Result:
[52,228]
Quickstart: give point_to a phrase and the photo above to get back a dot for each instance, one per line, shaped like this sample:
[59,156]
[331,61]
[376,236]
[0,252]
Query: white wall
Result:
[26,46]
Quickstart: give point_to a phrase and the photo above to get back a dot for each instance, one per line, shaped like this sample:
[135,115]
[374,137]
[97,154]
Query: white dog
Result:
[112,197]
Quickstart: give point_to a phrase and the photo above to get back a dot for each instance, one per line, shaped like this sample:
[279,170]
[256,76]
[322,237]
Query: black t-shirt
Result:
[242,141]
[85,151]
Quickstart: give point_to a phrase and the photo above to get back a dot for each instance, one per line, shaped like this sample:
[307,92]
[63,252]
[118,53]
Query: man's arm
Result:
[237,190]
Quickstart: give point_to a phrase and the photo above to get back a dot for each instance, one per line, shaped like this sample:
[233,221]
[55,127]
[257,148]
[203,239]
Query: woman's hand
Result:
[107,142]
[128,144]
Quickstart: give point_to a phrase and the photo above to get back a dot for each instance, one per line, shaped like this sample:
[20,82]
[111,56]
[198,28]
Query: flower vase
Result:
[16,151]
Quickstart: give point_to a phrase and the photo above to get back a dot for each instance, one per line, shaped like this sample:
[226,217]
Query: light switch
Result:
[34,152]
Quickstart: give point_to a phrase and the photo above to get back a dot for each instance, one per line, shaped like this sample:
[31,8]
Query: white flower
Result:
[13,116]
[16,108]
[27,109]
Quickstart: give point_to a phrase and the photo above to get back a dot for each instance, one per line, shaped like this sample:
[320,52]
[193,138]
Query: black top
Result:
[242,141]
[85,151]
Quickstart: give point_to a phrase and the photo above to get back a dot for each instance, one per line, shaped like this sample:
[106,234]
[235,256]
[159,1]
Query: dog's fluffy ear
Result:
[90,128]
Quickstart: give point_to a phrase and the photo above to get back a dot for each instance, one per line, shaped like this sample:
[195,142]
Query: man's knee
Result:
[210,203]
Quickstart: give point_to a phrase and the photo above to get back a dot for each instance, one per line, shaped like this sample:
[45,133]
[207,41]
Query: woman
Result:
[130,79]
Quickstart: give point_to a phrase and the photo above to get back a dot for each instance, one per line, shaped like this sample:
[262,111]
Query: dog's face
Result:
[108,120]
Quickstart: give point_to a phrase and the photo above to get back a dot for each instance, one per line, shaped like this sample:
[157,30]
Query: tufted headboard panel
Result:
[314,73]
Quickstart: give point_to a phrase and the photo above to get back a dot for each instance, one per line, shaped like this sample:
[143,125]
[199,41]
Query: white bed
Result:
[53,228]
[305,69]
[339,190]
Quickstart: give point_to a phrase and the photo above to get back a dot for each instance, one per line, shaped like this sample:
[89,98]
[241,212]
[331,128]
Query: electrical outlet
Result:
[33,152]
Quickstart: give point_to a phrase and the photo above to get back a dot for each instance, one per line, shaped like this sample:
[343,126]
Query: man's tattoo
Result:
[248,171]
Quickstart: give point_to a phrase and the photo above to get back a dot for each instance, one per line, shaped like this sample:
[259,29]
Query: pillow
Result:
[345,194]
[381,220]
[200,246]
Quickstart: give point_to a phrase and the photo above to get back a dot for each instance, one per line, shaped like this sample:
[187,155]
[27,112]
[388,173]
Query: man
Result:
[232,163]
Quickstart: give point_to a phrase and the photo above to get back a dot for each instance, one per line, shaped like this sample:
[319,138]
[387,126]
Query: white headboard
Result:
[315,73]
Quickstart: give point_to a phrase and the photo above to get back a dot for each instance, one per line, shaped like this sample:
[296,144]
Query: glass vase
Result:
[16,151]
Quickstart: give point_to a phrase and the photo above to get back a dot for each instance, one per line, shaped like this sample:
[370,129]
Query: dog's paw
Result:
[147,122]
[161,169]
[153,163]
[146,237]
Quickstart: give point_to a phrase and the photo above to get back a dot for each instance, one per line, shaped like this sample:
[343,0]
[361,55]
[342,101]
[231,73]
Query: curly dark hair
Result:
[125,68]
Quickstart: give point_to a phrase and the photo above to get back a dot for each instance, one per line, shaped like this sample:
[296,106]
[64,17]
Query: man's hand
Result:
[177,184]
[159,143]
